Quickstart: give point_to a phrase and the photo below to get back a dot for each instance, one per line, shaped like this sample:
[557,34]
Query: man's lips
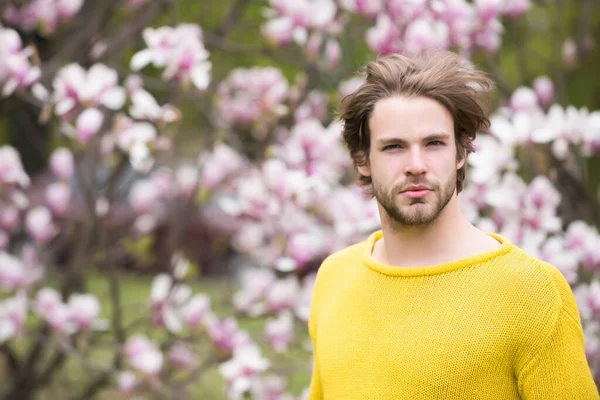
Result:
[416,191]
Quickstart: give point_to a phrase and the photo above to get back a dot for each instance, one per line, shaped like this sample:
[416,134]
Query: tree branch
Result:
[228,22]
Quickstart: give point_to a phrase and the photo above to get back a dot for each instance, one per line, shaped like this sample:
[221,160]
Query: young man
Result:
[430,307]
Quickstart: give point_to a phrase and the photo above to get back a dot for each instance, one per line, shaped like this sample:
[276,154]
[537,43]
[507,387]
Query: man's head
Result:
[411,125]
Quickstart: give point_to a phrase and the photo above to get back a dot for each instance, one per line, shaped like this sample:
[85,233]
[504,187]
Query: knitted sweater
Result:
[497,325]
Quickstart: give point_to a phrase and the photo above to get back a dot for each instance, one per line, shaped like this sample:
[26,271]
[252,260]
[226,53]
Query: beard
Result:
[418,212]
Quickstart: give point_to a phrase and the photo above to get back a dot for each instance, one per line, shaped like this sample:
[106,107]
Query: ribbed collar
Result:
[369,261]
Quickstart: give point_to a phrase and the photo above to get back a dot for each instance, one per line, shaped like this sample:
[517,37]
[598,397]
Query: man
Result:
[430,307]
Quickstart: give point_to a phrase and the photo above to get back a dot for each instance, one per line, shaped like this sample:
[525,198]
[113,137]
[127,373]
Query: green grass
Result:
[74,374]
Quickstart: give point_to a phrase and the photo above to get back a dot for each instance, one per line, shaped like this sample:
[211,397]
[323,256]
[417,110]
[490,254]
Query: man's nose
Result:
[415,164]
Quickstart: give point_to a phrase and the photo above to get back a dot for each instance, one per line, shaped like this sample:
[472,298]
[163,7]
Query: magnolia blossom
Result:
[186,177]
[50,308]
[16,68]
[252,96]
[143,196]
[58,197]
[584,240]
[127,381]
[181,356]
[143,355]
[271,387]
[279,332]
[293,20]
[349,86]
[11,168]
[195,309]
[45,15]
[315,150]
[241,371]
[39,225]
[222,163]
[544,90]
[13,313]
[144,106]
[250,298]
[62,163]
[179,51]
[9,217]
[85,309]
[225,335]
[166,300]
[88,124]
[12,272]
[75,87]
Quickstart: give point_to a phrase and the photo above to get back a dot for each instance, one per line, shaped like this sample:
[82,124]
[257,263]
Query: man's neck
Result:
[445,239]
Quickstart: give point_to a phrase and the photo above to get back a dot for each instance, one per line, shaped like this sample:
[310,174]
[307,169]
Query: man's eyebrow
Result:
[396,140]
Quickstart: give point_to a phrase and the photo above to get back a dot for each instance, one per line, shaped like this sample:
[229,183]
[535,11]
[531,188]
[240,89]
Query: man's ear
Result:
[461,163]
[365,169]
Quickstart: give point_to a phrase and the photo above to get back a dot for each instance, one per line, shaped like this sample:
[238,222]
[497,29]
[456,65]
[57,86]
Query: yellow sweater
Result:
[500,325]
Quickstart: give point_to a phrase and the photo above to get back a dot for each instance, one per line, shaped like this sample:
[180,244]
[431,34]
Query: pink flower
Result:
[39,225]
[250,96]
[88,124]
[524,99]
[250,298]
[195,309]
[62,163]
[489,9]
[84,310]
[11,272]
[514,8]
[143,355]
[544,89]
[222,163]
[224,335]
[75,87]
[143,196]
[180,356]
[127,381]
[16,69]
[9,217]
[179,51]
[333,53]
[186,177]
[13,313]
[279,332]
[423,34]
[314,107]
[50,308]
[384,37]
[58,197]
[282,294]
[68,8]
[11,168]
[349,86]
[241,371]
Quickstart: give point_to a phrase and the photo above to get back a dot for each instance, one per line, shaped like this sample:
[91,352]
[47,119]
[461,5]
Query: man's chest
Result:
[399,341]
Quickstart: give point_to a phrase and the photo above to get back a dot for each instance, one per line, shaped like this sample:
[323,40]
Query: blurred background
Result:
[172,175]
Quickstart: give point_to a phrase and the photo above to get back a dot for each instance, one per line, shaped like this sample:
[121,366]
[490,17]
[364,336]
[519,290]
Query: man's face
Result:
[412,160]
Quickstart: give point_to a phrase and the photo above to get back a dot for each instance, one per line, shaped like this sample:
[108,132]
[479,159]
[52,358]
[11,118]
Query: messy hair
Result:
[442,76]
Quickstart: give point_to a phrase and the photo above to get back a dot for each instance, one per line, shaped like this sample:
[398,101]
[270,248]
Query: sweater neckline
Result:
[505,247]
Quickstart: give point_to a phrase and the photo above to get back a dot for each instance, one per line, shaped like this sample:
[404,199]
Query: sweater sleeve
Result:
[557,369]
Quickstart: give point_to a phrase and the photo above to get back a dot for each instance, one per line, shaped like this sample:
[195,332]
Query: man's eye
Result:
[436,143]
[391,147]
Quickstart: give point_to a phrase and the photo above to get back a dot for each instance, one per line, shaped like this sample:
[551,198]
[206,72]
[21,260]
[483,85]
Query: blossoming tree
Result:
[104,95]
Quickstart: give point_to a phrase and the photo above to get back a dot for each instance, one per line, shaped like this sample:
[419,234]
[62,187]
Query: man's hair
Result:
[442,76]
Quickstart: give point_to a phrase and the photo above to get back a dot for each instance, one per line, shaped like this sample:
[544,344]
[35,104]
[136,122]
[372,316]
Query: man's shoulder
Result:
[343,258]
[536,278]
